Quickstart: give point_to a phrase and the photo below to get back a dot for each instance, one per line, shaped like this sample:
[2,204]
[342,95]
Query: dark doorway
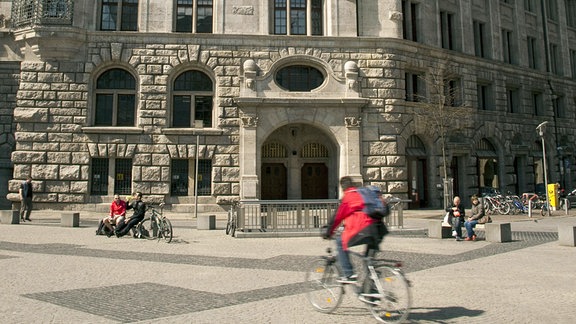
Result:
[418,182]
[273,186]
[314,177]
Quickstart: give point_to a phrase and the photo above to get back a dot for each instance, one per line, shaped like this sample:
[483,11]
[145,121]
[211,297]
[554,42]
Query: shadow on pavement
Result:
[441,314]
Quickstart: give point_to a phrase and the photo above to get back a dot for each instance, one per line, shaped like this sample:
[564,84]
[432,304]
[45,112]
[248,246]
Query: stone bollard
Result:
[567,235]
[498,232]
[10,217]
[206,222]
[70,219]
[436,229]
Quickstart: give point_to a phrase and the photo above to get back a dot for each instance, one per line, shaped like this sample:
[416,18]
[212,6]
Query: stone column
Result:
[351,157]
[248,156]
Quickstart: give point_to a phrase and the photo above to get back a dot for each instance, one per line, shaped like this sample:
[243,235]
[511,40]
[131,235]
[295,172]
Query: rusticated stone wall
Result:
[9,78]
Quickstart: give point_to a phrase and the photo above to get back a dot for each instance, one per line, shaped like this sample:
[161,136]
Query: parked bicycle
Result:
[381,285]
[156,226]
[497,203]
[232,219]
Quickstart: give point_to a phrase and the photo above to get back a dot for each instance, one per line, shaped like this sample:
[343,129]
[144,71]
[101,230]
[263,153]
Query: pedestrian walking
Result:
[26,194]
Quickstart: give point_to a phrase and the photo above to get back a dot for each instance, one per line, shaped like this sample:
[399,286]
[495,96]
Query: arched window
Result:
[299,78]
[115,99]
[192,100]
[487,165]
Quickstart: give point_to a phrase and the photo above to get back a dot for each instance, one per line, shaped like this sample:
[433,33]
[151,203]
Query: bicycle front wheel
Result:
[323,291]
[394,305]
[166,230]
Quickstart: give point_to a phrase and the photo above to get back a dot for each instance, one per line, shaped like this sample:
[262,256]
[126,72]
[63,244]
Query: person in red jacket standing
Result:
[359,228]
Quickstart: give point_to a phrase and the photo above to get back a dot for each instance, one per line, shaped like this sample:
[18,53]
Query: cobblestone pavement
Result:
[52,274]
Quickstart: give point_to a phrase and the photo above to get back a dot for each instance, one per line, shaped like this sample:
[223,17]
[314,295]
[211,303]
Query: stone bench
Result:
[206,222]
[439,229]
[567,235]
[10,217]
[498,232]
[70,219]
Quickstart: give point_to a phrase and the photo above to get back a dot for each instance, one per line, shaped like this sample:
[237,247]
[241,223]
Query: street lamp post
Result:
[541,129]
[199,125]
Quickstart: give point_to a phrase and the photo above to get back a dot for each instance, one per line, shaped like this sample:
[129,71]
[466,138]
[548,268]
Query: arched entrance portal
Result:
[298,162]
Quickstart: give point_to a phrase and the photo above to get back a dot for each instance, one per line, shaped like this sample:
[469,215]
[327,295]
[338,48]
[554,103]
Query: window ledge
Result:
[192,131]
[112,129]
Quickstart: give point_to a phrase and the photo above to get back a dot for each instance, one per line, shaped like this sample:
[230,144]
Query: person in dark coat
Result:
[26,194]
[139,208]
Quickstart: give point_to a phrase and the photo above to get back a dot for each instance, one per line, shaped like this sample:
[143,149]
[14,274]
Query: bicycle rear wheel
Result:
[166,230]
[395,304]
[324,292]
[148,229]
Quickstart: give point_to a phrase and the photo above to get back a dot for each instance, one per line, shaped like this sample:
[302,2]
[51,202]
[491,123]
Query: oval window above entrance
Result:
[299,78]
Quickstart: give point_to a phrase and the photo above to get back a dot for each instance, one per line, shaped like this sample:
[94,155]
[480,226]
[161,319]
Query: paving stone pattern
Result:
[152,300]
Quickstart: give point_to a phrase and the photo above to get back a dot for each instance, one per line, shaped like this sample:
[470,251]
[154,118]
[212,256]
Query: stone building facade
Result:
[219,101]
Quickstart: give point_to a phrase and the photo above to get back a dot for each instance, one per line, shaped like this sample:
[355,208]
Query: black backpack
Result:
[374,205]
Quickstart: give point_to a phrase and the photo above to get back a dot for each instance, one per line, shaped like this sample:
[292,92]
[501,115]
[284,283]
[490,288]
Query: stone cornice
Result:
[295,102]
[52,42]
[192,131]
[112,130]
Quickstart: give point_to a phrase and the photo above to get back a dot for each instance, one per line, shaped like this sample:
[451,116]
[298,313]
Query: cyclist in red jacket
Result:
[359,228]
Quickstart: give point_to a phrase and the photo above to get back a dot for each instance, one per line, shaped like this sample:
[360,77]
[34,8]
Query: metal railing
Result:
[41,12]
[297,215]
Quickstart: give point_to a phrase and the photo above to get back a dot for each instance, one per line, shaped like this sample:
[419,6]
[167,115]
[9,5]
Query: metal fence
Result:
[297,215]
[41,12]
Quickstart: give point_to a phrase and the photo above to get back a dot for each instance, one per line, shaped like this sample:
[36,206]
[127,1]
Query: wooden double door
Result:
[274,181]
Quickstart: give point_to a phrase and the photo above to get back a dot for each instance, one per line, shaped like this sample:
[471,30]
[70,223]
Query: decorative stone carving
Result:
[250,72]
[351,73]
[116,51]
[395,16]
[249,120]
[243,10]
[352,121]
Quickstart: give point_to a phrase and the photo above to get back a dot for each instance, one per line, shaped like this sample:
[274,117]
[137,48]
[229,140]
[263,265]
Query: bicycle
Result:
[231,224]
[382,286]
[156,226]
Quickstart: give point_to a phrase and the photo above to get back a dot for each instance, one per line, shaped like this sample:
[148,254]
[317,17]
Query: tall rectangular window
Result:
[555,64]
[479,38]
[529,5]
[194,16]
[537,104]
[447,30]
[570,13]
[293,17]
[99,176]
[484,97]
[204,177]
[513,100]
[414,87]
[123,176]
[508,47]
[120,15]
[184,15]
[573,63]
[558,105]
[532,53]
[410,22]
[452,93]
[551,9]
[180,174]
